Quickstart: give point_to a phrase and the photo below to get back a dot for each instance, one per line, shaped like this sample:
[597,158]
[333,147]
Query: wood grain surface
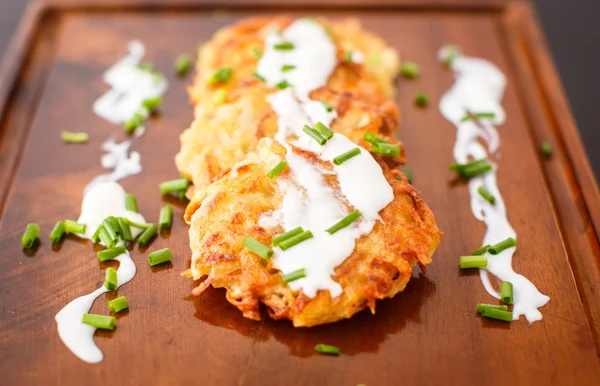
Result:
[429,334]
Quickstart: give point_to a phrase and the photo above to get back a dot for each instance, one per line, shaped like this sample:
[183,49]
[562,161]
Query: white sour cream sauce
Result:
[479,87]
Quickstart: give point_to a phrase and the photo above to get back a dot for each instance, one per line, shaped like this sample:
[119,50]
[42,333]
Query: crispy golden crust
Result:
[228,210]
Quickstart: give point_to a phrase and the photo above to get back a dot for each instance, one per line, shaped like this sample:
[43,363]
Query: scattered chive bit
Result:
[183,63]
[472,262]
[174,186]
[74,227]
[131,203]
[111,253]
[348,57]
[257,52]
[497,314]
[298,274]
[124,229]
[277,169]
[373,139]
[340,159]
[448,53]
[136,121]
[323,130]
[115,224]
[410,70]
[547,149]
[471,169]
[111,231]
[257,247]
[386,149]
[483,192]
[287,67]
[349,219]
[285,46]
[222,75]
[408,174]
[146,66]
[135,224]
[497,248]
[327,349]
[220,96]
[110,279]
[147,235]
[152,104]
[72,137]
[165,219]
[398,177]
[481,251]
[477,116]
[161,256]
[481,307]
[283,85]
[284,236]
[506,292]
[327,106]
[32,231]
[259,77]
[100,321]
[57,233]
[118,304]
[105,238]
[421,99]
[294,240]
[314,134]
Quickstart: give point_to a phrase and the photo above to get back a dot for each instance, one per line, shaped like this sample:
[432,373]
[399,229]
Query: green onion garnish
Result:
[324,130]
[115,224]
[146,66]
[283,46]
[386,149]
[497,314]
[450,52]
[497,248]
[220,96]
[506,292]
[111,253]
[348,57]
[481,251]
[481,307]
[340,159]
[421,99]
[183,63]
[58,232]
[135,224]
[100,321]
[174,186]
[473,262]
[165,219]
[283,85]
[257,247]
[259,77]
[136,121]
[118,304]
[327,349]
[284,236]
[72,137]
[131,203]
[222,75]
[373,139]
[476,116]
[124,229]
[74,227]
[483,192]
[349,219]
[110,230]
[147,235]
[110,279]
[105,238]
[32,231]
[277,169]
[96,235]
[160,256]
[291,241]
[327,106]
[152,103]
[408,173]
[314,134]
[547,149]
[299,274]
[257,52]
[287,67]
[471,169]
[410,70]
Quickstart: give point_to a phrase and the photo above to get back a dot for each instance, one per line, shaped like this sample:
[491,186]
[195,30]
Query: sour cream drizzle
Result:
[478,88]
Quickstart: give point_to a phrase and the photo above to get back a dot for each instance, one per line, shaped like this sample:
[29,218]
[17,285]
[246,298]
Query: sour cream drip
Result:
[479,87]
[118,158]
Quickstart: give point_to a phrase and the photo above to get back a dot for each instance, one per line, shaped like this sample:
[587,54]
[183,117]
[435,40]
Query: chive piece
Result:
[257,247]
[174,186]
[183,63]
[110,279]
[257,53]
[283,85]
[408,173]
[58,232]
[386,149]
[497,248]
[314,134]
[146,66]
[506,292]
[348,57]
[327,106]
[410,70]
[110,230]
[340,159]
[161,256]
[277,169]
[115,224]
[287,67]
[72,137]
[481,251]
[299,274]
[481,307]
[421,99]
[222,75]
[349,219]
[147,235]
[118,304]
[476,116]
[373,139]
[32,231]
[324,130]
[220,96]
[471,169]
[124,229]
[152,103]
[105,238]
[327,349]
[131,203]
[74,227]
[472,262]
[135,224]
[165,219]
[259,77]
[136,121]
[283,46]
[100,321]
[96,235]
[497,314]
[290,242]
[449,53]
[284,236]
[111,253]
[483,192]
[547,149]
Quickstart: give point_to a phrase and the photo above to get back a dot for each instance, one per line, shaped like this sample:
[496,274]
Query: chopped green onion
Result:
[110,230]
[115,224]
[105,238]
[136,121]
[348,57]
[96,235]
[497,248]
[373,139]
[386,149]
[483,192]
[118,304]
[58,232]
[111,253]
[324,130]
[74,227]
[497,314]
[291,241]
[284,236]
[161,256]
[477,116]
[146,66]
[174,186]
[449,53]
[259,77]
[135,224]
[183,63]
[32,231]
[165,219]
[349,219]
[72,137]
[277,169]
[314,134]
[473,262]
[110,279]
[421,99]
[299,274]
[283,46]
[124,229]
[222,75]
[283,85]
[481,251]
[408,173]
[410,70]
[506,292]
[327,106]
[471,169]
[257,247]
[287,67]
[340,159]
[547,149]
[257,52]
[147,235]
[100,321]
[327,349]
[131,203]
[152,103]
[220,96]
[481,307]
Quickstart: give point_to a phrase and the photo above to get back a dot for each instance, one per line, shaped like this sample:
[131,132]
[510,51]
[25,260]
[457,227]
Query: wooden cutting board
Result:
[428,335]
